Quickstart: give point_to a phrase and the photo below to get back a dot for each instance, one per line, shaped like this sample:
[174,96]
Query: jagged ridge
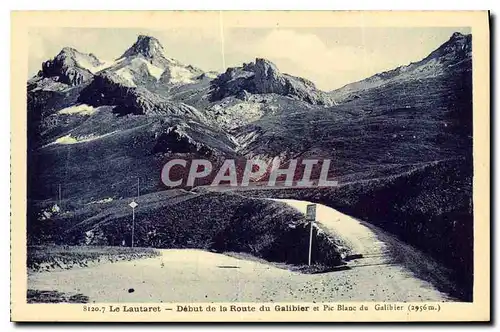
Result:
[71,67]
[264,77]
[104,90]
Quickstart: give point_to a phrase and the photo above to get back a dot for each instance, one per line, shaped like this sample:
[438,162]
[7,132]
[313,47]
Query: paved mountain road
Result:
[189,275]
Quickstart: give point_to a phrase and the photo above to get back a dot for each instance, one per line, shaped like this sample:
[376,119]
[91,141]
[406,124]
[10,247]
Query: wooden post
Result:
[311,216]
[133,225]
[310,242]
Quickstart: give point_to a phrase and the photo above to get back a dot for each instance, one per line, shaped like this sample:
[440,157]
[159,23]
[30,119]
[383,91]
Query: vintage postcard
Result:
[250,166]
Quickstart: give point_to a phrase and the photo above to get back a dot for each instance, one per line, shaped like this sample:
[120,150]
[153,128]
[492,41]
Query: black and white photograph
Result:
[230,164]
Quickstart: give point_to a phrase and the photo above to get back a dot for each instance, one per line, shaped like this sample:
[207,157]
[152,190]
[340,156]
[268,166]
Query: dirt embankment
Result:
[50,258]
[220,222]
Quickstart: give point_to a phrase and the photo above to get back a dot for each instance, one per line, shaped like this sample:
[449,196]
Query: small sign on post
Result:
[311,212]
[311,216]
[133,205]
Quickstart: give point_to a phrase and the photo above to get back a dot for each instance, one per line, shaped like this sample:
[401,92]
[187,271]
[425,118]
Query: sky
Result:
[330,57]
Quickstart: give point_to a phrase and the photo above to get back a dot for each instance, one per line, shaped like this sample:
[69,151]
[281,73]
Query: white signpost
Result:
[133,205]
[311,216]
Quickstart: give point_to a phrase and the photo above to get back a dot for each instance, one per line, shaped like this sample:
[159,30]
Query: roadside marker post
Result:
[311,216]
[133,205]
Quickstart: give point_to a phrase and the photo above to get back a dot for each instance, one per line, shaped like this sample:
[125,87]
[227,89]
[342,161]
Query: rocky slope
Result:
[254,110]
[123,106]
[69,68]
[454,56]
[263,77]
[414,114]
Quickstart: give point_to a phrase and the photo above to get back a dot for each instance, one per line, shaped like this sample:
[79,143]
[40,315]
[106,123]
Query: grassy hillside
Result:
[105,153]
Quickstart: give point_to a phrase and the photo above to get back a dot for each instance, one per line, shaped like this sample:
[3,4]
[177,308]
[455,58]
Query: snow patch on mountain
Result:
[127,76]
[136,64]
[180,75]
[69,139]
[211,74]
[134,67]
[83,61]
[82,109]
[154,70]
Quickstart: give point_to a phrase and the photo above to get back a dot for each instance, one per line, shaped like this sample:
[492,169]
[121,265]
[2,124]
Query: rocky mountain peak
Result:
[457,48]
[147,46]
[265,68]
[70,66]
[68,51]
[457,35]
[72,57]
[263,77]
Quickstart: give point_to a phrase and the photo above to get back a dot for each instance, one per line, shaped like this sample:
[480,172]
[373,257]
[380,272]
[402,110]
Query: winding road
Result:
[388,270]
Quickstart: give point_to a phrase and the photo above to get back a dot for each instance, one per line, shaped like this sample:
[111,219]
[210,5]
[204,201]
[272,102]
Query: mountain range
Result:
[93,125]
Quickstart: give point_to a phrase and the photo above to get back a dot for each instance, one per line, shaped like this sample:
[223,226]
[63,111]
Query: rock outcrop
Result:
[263,77]
[107,89]
[70,67]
